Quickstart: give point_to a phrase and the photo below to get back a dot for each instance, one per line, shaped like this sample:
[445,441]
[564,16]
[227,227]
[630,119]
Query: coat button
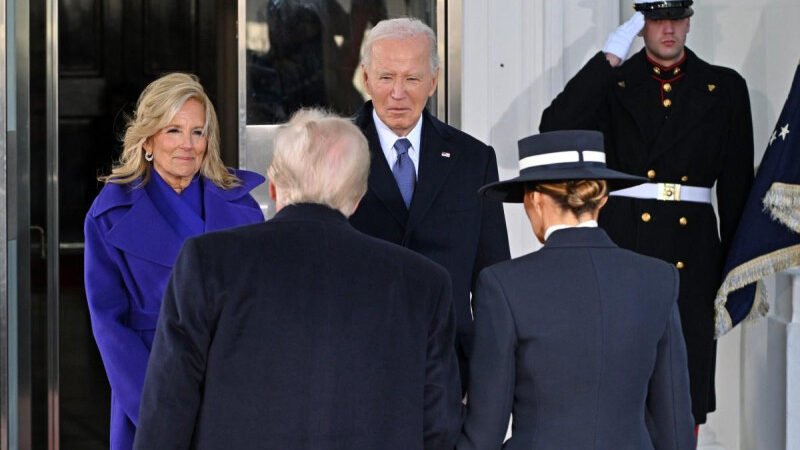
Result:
[683,221]
[684,178]
[680,265]
[651,174]
[667,103]
[667,87]
[646,217]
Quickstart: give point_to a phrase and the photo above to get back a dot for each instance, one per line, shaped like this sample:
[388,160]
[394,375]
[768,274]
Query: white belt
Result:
[666,192]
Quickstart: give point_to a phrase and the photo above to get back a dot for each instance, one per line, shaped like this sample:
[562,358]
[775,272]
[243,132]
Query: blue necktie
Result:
[403,170]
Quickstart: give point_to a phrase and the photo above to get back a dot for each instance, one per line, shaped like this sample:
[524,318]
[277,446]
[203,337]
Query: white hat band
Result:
[561,157]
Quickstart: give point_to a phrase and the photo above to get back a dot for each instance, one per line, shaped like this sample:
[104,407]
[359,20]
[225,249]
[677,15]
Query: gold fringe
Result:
[783,203]
[750,272]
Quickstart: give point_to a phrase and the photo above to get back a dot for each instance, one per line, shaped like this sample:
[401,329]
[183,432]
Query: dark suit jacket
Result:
[448,221]
[302,333]
[707,139]
[582,341]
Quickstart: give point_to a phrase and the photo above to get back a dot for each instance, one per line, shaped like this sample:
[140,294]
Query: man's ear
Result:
[434,82]
[365,79]
[273,191]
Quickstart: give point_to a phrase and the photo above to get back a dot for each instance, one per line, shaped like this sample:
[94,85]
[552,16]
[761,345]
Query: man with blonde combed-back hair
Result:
[302,332]
[319,158]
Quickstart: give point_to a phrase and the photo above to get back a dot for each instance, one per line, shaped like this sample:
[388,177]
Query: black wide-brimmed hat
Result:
[559,156]
[669,10]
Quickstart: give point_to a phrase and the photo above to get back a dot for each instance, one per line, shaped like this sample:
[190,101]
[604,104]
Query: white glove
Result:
[620,40]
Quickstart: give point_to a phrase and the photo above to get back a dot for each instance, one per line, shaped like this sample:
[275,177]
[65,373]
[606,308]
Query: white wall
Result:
[517,56]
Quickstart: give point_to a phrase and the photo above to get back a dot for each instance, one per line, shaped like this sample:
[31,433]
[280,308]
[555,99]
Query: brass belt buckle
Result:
[669,192]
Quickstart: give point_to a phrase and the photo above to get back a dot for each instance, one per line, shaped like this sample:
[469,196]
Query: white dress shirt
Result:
[388,138]
[551,229]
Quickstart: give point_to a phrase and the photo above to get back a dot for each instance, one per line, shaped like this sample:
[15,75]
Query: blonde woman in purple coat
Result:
[169,184]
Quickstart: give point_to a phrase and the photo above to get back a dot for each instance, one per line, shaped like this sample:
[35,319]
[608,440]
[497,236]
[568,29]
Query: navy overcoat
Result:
[448,221]
[582,342]
[129,252]
[302,333]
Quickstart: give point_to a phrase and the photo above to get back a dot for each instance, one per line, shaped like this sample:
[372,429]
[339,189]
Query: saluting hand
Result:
[619,41]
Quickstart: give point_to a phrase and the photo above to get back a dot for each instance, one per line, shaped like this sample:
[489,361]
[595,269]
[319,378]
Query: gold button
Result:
[684,178]
[680,265]
[683,221]
[667,103]
[667,87]
[657,70]
[646,217]
[651,174]
[676,71]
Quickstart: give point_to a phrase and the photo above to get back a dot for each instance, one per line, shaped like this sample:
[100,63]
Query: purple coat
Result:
[130,251]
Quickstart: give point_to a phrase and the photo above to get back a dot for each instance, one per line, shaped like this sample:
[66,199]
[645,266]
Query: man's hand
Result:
[620,40]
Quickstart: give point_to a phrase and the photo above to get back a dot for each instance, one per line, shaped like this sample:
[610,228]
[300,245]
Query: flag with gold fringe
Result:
[767,240]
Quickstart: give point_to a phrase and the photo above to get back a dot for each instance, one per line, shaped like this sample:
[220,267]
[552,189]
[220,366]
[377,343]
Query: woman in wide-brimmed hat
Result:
[581,340]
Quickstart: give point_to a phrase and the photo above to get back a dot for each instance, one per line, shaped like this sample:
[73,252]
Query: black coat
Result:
[707,140]
[582,341]
[302,333]
[448,221]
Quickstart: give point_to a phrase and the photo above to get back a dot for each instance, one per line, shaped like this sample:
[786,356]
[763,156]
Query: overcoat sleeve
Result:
[583,102]
[442,417]
[736,174]
[669,406]
[123,352]
[492,368]
[172,388]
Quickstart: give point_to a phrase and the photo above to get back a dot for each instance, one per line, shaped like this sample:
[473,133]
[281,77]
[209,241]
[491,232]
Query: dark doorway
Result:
[109,50]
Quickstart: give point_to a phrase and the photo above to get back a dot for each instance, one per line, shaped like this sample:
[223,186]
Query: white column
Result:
[793,366]
[771,371]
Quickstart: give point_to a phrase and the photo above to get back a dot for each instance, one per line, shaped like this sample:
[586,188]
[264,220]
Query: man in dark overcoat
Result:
[685,125]
[423,186]
[301,332]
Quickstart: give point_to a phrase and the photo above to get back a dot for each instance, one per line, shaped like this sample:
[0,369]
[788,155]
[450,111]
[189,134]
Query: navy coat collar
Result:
[309,212]
[437,158]
[579,237]
[142,231]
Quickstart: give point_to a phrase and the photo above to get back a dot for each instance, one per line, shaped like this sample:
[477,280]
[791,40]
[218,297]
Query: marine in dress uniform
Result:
[686,126]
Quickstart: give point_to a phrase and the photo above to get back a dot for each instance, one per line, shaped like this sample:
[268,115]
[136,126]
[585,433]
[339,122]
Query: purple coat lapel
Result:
[145,233]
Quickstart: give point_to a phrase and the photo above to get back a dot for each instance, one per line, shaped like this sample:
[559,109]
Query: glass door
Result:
[80,67]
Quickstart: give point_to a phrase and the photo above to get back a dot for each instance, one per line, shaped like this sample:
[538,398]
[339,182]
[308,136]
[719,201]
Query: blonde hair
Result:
[320,158]
[155,109]
[577,196]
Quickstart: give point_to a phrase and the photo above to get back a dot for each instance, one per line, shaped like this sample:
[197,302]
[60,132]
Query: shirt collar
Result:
[388,137]
[550,230]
